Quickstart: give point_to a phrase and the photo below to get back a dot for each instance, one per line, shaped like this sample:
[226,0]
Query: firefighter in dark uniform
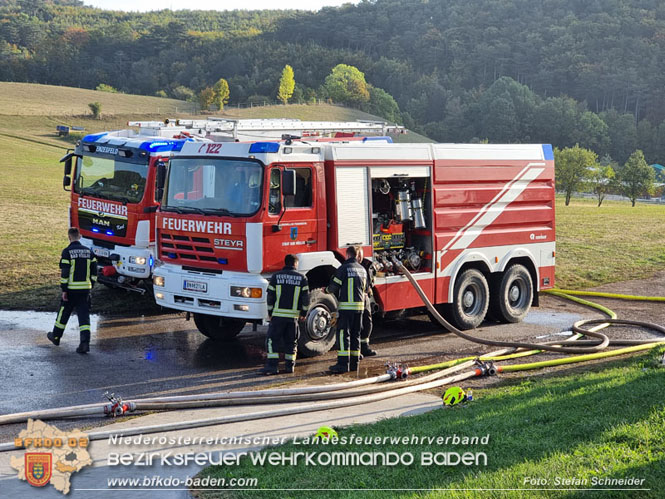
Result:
[78,274]
[288,300]
[366,332]
[350,285]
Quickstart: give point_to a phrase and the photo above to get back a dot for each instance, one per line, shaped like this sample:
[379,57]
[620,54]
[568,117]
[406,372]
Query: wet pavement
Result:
[166,355]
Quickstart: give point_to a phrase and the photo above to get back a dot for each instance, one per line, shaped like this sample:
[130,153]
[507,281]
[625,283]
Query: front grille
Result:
[192,249]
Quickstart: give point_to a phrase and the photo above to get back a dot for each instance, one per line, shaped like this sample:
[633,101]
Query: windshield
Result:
[214,186]
[110,179]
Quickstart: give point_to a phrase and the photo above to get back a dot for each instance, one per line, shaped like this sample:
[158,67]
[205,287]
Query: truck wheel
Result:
[512,295]
[470,300]
[218,328]
[317,331]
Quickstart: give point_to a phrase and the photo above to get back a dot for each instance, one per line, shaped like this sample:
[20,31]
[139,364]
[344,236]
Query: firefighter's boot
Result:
[342,365]
[290,367]
[53,338]
[84,346]
[270,368]
[366,351]
[353,363]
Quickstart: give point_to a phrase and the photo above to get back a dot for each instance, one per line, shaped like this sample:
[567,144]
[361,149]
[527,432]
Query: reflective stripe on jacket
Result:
[78,268]
[288,294]
[350,284]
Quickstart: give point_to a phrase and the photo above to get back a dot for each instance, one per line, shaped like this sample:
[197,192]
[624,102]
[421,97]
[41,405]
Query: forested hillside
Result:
[562,71]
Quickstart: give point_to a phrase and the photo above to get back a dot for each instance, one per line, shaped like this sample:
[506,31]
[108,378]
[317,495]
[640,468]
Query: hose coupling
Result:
[397,371]
[485,368]
[117,407]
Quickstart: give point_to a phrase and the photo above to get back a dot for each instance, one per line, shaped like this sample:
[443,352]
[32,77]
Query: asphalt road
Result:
[166,355]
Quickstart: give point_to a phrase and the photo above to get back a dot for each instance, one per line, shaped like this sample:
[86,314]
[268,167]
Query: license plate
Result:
[198,286]
[103,252]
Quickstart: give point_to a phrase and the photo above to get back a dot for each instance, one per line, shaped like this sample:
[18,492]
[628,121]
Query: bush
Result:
[96,108]
[103,87]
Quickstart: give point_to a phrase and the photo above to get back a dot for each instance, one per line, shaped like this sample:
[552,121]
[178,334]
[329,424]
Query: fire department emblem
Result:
[38,468]
[294,233]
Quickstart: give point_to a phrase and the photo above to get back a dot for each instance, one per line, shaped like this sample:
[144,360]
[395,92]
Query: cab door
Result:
[291,223]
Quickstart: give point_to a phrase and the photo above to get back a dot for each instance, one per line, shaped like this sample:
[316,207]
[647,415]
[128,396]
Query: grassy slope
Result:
[581,423]
[48,100]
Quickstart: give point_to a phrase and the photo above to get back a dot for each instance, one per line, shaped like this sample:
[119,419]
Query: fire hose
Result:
[362,391]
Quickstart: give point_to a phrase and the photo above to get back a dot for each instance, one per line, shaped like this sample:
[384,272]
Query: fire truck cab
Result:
[473,223]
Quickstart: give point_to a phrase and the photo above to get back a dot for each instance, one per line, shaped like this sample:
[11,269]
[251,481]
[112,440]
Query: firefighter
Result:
[78,274]
[350,285]
[366,332]
[288,300]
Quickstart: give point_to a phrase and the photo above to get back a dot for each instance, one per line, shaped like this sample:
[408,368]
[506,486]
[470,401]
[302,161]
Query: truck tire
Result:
[470,300]
[317,331]
[512,295]
[218,328]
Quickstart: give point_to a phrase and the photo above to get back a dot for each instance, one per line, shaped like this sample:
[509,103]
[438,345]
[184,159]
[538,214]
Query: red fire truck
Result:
[473,223]
[117,179]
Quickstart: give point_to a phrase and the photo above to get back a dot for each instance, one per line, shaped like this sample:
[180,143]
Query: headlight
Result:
[158,280]
[244,292]
[138,260]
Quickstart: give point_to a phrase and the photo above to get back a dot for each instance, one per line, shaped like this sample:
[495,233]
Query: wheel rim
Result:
[319,322]
[517,294]
[471,302]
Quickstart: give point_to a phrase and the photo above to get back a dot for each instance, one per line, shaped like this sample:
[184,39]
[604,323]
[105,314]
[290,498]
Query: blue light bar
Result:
[109,233]
[223,261]
[163,145]
[151,261]
[387,140]
[264,147]
[94,137]
[94,229]
[547,151]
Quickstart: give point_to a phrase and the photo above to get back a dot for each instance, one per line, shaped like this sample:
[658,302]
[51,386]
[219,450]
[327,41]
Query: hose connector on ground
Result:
[397,371]
[485,368]
[117,407]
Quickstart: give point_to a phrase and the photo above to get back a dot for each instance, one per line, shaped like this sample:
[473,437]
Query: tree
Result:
[382,104]
[221,93]
[96,108]
[601,180]
[636,177]
[571,165]
[206,98]
[347,85]
[287,84]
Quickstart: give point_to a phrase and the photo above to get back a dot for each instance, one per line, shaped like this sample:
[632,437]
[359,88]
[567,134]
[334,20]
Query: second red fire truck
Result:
[473,223]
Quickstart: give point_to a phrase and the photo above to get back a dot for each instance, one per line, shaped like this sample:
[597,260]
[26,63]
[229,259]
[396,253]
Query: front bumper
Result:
[123,266]
[213,294]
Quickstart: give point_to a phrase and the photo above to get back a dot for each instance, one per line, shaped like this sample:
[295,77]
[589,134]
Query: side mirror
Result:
[68,166]
[289,182]
[161,180]
[67,160]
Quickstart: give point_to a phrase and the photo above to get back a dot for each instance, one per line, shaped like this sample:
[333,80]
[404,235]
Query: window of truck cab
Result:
[302,197]
[111,178]
[215,186]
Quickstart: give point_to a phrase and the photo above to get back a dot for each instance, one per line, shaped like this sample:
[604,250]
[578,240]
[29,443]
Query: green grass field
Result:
[23,99]
[595,245]
[579,423]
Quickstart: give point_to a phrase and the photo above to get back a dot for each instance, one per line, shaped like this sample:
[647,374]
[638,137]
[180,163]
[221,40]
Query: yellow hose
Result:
[600,294]
[577,358]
